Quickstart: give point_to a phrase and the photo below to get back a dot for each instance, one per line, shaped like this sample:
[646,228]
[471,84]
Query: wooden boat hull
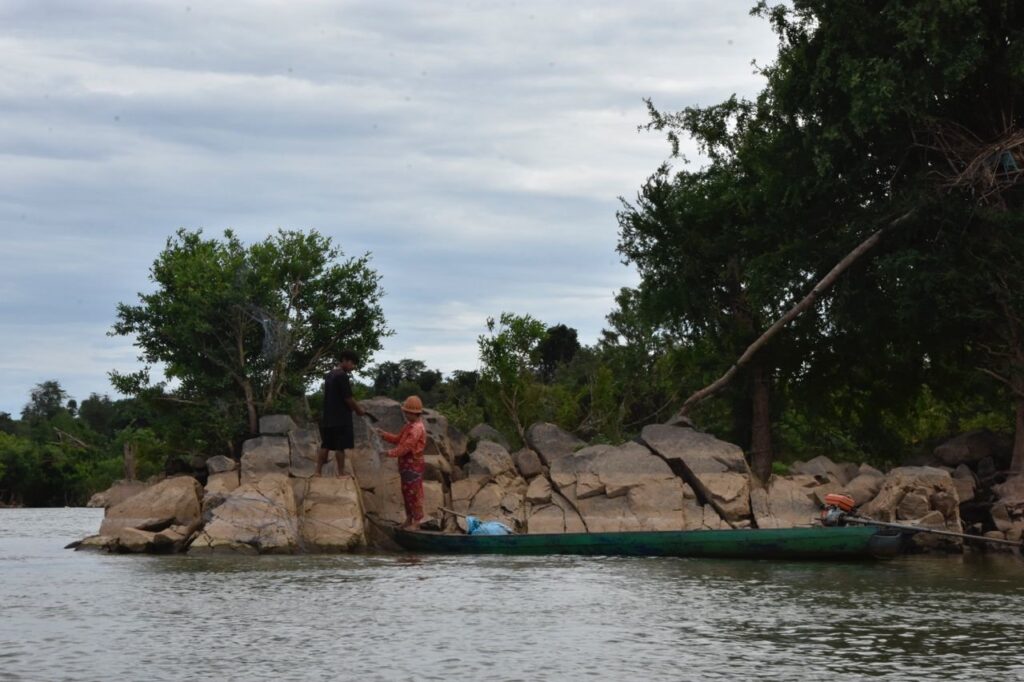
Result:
[849,542]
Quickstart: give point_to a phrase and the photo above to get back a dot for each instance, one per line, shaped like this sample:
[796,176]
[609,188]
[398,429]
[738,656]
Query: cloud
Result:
[477,149]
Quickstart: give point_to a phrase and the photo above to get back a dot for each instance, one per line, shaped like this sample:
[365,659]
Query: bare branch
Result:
[826,282]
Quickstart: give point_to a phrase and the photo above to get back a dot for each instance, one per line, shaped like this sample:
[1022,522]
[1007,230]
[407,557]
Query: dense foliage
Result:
[244,330]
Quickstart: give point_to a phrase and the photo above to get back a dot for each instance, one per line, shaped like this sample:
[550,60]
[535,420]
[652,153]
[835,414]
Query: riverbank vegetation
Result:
[886,149]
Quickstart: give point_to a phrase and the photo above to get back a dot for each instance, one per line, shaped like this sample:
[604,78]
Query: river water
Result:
[68,615]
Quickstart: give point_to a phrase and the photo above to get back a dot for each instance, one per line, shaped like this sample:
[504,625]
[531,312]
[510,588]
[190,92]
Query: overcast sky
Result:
[476,149]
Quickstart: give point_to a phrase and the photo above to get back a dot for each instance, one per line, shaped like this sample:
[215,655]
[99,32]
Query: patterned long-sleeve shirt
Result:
[410,443]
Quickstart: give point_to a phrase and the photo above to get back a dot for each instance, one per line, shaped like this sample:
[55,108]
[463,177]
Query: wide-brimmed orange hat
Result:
[413,405]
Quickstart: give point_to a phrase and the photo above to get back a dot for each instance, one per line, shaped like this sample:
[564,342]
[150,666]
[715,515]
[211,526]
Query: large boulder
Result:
[622,488]
[716,469]
[380,482]
[304,447]
[551,442]
[863,487]
[330,515]
[971,447]
[258,517]
[265,455]
[116,494]
[218,464]
[173,501]
[528,463]
[786,502]
[222,483]
[839,472]
[910,494]
[557,516]
[491,499]
[482,432]
[276,424]
[490,459]
[1008,509]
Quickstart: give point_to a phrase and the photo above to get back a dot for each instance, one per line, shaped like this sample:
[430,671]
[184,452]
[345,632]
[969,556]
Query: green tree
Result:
[872,111]
[47,400]
[250,327]
[558,347]
[507,375]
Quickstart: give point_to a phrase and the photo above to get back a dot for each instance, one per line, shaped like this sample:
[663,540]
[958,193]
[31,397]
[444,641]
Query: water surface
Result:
[84,616]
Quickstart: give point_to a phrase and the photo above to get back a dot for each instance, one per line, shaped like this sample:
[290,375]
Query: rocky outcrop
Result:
[258,517]
[716,470]
[173,501]
[971,447]
[785,502]
[528,463]
[303,449]
[625,488]
[550,442]
[330,515]
[219,464]
[117,493]
[1008,509]
[265,455]
[912,494]
[824,468]
[490,459]
[276,424]
[482,432]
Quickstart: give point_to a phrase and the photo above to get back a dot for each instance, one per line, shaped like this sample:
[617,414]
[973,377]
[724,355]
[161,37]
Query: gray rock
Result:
[528,463]
[539,491]
[624,488]
[276,424]
[551,442]
[331,515]
[487,432]
[171,501]
[116,494]
[259,517]
[841,473]
[265,455]
[783,503]
[304,445]
[907,493]
[717,469]
[972,446]
[489,459]
[219,464]
[913,506]
[863,488]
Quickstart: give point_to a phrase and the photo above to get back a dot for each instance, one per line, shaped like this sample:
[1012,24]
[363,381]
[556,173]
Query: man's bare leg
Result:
[339,459]
[321,458]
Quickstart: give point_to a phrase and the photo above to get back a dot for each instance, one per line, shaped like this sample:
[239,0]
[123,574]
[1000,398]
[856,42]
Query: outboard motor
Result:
[836,508]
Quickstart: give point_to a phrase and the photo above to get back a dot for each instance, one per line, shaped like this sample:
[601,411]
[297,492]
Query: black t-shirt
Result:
[337,389]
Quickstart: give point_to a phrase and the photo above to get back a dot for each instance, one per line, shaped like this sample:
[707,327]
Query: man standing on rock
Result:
[337,431]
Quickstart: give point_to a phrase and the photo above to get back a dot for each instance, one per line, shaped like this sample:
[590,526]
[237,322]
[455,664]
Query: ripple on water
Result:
[79,616]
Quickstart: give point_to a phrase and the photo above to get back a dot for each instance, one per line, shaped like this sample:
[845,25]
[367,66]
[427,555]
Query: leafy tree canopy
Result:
[249,327]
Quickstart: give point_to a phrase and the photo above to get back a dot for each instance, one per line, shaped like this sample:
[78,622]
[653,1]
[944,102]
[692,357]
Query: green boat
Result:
[813,543]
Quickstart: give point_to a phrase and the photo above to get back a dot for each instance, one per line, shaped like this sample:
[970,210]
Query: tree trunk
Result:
[250,406]
[1017,464]
[129,461]
[761,423]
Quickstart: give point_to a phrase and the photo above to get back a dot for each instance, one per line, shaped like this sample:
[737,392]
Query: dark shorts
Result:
[337,438]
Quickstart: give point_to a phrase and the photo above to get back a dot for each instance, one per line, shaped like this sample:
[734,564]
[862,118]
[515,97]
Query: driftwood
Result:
[822,286]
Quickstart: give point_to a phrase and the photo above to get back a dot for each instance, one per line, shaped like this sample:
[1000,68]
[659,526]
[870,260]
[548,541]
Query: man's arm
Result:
[354,406]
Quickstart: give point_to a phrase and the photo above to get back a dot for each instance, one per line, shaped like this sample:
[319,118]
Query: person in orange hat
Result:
[409,445]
